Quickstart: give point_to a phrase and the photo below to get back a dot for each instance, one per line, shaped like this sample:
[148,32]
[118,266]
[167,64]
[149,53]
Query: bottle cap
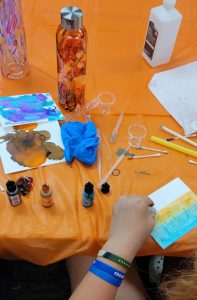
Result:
[169,3]
[89,188]
[45,191]
[45,188]
[71,17]
[105,188]
[11,185]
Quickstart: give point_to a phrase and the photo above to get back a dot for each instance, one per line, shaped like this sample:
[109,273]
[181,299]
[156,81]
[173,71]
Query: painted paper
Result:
[176,207]
[25,149]
[29,108]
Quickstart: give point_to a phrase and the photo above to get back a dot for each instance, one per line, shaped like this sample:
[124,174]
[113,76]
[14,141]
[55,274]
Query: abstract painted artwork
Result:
[29,108]
[25,149]
[176,207]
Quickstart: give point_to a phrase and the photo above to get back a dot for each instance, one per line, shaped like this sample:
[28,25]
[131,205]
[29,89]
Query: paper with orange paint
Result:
[24,149]
[176,207]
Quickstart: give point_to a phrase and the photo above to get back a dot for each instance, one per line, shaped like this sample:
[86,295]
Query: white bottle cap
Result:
[169,3]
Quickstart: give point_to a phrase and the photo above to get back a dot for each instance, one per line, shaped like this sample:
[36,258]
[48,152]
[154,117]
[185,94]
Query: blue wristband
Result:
[105,276]
[108,269]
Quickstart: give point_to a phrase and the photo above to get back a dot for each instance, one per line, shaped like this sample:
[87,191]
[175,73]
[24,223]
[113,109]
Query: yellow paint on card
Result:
[179,205]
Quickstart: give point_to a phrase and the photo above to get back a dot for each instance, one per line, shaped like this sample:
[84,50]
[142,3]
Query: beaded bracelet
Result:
[115,258]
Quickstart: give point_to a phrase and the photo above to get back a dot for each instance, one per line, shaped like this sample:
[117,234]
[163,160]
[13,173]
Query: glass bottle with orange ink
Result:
[71,42]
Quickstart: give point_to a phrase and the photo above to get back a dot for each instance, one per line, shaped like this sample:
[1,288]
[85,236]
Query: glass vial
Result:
[71,42]
[13,193]
[46,196]
[13,51]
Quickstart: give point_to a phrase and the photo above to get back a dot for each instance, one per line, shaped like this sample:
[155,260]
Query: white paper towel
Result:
[176,90]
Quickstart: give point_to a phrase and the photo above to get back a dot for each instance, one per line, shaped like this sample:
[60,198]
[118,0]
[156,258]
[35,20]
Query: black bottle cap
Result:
[11,185]
[105,187]
[89,188]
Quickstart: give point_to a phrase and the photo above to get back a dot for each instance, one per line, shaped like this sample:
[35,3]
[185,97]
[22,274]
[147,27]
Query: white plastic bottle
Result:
[163,27]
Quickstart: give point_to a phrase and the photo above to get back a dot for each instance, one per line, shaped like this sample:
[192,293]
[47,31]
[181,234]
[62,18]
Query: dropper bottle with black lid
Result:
[13,192]
[88,195]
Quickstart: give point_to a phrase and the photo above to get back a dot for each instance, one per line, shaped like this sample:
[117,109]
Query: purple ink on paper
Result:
[28,108]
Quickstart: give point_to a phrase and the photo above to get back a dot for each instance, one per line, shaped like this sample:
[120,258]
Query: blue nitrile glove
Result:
[80,141]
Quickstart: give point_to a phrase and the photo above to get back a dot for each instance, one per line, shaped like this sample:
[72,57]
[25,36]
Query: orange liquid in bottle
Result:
[71,67]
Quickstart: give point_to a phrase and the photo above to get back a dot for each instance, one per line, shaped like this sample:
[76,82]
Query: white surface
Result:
[169,3]
[169,193]
[11,166]
[176,90]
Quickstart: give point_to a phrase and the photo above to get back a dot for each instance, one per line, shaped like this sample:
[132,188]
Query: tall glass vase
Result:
[13,50]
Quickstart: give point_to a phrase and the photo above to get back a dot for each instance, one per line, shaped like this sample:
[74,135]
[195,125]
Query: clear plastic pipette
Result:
[115,131]
[99,155]
[118,161]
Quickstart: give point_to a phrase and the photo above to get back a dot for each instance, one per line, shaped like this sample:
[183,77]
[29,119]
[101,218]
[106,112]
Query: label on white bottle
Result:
[151,39]
[15,200]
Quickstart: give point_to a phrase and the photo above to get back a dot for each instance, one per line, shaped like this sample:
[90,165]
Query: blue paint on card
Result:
[174,228]
[22,109]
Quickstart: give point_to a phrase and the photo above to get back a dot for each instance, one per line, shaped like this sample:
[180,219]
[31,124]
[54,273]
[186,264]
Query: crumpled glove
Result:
[80,141]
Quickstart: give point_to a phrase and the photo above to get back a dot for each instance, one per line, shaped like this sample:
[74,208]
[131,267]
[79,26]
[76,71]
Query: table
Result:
[116,35]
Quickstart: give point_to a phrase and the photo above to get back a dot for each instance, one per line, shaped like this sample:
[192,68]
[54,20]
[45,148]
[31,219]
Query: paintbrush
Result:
[177,138]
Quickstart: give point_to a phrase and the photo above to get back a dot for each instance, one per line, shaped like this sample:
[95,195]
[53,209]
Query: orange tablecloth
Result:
[116,32]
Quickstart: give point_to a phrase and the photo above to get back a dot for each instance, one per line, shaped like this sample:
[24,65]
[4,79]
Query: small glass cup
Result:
[137,133]
[104,100]
[13,51]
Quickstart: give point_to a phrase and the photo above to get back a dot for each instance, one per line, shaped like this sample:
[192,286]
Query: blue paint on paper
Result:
[29,108]
[174,228]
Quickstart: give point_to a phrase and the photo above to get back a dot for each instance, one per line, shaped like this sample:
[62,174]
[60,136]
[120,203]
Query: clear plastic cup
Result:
[137,133]
[104,100]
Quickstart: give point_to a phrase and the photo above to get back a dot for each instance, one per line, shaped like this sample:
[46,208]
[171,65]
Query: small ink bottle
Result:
[88,195]
[13,192]
[46,195]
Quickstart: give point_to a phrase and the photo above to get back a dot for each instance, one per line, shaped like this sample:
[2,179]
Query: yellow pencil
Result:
[173,146]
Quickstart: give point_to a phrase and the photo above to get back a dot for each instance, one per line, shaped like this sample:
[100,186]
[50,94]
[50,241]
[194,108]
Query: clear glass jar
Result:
[13,51]
[71,41]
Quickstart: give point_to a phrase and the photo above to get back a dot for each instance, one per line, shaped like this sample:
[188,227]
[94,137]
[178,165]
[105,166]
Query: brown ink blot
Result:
[30,149]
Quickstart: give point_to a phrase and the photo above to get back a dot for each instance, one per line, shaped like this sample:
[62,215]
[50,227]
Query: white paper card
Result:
[176,207]
[168,193]
[176,90]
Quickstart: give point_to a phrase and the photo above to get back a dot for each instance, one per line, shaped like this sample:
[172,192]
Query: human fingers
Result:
[152,210]
[147,201]
[151,203]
